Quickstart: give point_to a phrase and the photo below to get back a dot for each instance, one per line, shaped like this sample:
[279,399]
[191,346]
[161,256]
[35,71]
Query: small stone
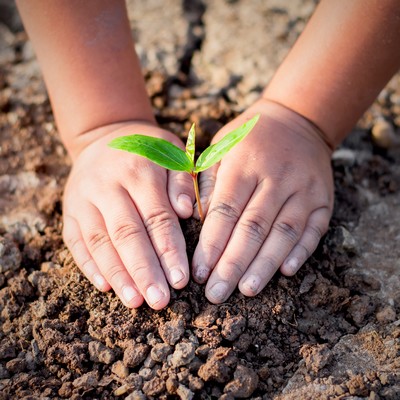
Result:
[136,395]
[232,327]
[386,314]
[244,383]
[16,365]
[172,385]
[10,256]
[135,381]
[184,393]
[344,240]
[100,353]
[183,354]
[383,134]
[121,390]
[146,373]
[344,157]
[135,354]
[119,369]
[219,365]
[172,331]
[160,352]
[86,381]
[154,387]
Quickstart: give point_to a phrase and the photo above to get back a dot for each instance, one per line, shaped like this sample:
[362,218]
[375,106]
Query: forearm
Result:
[89,63]
[344,57]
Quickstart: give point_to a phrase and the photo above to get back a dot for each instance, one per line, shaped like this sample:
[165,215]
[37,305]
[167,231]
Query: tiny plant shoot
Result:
[167,155]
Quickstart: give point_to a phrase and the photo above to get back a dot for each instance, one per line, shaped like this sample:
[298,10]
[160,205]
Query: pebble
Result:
[10,256]
[100,353]
[184,393]
[135,354]
[384,135]
[16,365]
[183,354]
[136,395]
[386,314]
[344,240]
[232,327]
[154,387]
[244,383]
[160,352]
[119,369]
[344,157]
[172,331]
[86,381]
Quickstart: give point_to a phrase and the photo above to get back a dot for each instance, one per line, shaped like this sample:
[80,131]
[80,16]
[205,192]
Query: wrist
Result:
[77,143]
[293,120]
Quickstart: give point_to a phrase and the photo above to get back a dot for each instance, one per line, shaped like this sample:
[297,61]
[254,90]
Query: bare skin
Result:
[270,199]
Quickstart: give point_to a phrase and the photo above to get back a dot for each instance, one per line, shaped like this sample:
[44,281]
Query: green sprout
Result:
[169,156]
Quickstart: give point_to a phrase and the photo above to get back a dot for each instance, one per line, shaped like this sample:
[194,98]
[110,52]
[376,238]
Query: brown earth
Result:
[330,332]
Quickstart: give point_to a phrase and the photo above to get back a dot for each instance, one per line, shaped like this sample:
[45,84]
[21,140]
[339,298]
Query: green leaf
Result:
[215,152]
[191,143]
[157,150]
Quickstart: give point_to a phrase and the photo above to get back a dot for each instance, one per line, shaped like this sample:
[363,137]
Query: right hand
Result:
[121,219]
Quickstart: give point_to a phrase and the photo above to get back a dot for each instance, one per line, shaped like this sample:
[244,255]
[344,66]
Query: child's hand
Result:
[269,202]
[120,220]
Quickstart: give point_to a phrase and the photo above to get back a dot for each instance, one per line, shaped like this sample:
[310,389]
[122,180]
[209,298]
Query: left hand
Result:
[268,203]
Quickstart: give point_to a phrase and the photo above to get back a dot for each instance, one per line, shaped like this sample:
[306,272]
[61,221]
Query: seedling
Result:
[167,155]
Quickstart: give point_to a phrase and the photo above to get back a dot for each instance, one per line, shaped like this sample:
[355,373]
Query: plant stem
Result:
[197,193]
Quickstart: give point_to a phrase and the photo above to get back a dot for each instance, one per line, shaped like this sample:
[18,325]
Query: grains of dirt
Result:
[316,356]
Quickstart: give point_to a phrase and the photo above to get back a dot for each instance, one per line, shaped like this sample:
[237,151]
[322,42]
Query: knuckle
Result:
[255,228]
[235,267]
[138,272]
[315,232]
[126,232]
[270,263]
[114,275]
[226,211]
[214,248]
[289,229]
[97,239]
[207,181]
[159,220]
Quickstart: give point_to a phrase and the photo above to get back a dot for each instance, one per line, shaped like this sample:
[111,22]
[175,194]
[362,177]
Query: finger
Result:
[164,231]
[100,246]
[246,240]
[181,193]
[132,243]
[74,240]
[317,226]
[284,234]
[207,181]
[225,209]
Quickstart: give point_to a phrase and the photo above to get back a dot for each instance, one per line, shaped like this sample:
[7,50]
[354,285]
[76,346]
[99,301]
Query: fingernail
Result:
[293,264]
[154,295]
[201,273]
[99,281]
[128,293]
[176,276]
[218,291]
[252,283]
[185,201]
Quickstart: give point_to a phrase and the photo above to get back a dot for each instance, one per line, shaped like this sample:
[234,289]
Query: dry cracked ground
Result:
[330,332]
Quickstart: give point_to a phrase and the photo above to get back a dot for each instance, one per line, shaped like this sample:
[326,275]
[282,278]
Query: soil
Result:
[330,332]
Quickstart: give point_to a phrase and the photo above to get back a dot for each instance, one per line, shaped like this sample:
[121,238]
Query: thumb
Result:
[181,193]
[206,187]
